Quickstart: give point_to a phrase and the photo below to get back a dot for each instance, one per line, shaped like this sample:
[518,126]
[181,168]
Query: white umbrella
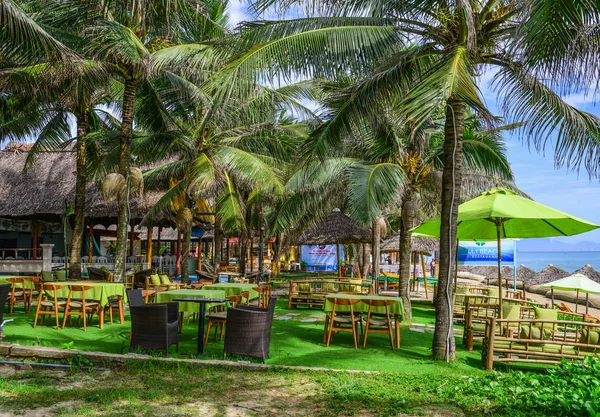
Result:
[575,282]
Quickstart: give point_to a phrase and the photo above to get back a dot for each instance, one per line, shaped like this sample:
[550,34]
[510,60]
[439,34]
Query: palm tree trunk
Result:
[443,339]
[243,251]
[79,214]
[218,245]
[376,248]
[186,242]
[365,261]
[123,202]
[409,217]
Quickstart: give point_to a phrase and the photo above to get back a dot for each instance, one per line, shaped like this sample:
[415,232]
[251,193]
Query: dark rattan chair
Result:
[248,330]
[135,298]
[97,274]
[4,290]
[154,326]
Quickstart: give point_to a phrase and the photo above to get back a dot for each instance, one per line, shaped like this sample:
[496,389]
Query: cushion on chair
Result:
[594,338]
[60,275]
[155,279]
[164,279]
[536,333]
[545,314]
[328,287]
[304,286]
[511,312]
[47,276]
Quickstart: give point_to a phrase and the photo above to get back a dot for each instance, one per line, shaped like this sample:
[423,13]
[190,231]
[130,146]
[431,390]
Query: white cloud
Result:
[580,99]
[237,12]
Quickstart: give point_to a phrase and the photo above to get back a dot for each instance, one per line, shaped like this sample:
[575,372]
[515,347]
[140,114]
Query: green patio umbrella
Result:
[502,214]
[575,282]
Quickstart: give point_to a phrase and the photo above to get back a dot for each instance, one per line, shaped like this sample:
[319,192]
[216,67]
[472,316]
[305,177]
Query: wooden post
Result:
[424,275]
[499,270]
[178,252]
[339,264]
[34,235]
[199,254]
[149,246]
[91,250]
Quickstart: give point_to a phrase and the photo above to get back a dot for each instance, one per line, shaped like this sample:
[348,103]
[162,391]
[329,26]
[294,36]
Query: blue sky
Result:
[535,173]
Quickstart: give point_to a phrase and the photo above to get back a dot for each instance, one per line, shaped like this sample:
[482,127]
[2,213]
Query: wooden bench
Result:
[477,293]
[478,313]
[538,341]
[313,291]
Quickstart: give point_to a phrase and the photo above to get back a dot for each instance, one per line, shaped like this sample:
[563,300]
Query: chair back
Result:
[245,296]
[344,301]
[379,303]
[4,290]
[235,299]
[135,298]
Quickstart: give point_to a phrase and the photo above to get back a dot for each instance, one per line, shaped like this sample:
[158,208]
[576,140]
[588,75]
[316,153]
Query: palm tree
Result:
[55,97]
[423,57]
[124,36]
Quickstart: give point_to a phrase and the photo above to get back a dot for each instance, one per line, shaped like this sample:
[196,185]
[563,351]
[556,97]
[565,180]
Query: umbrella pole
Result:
[456,267]
[587,303]
[499,270]
[577,300]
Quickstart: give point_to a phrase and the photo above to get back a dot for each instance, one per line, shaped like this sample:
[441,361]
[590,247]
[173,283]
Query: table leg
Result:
[201,329]
[101,317]
[325,328]
[121,312]
[397,333]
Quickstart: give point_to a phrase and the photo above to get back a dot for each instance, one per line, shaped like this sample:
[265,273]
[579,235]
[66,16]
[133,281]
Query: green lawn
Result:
[294,342]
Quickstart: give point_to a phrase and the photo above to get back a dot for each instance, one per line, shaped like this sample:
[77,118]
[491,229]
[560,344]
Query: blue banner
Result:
[197,232]
[321,257]
[485,252]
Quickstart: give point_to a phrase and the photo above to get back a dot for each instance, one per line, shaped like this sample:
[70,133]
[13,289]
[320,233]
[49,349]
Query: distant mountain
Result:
[554,245]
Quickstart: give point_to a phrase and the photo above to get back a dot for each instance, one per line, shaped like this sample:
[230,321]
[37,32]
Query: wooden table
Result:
[101,291]
[397,309]
[202,302]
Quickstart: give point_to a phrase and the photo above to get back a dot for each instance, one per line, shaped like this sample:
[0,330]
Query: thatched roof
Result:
[507,272]
[336,228]
[417,244]
[44,190]
[525,274]
[484,270]
[589,272]
[549,274]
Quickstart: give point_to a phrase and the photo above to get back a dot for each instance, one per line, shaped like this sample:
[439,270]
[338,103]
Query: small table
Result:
[202,302]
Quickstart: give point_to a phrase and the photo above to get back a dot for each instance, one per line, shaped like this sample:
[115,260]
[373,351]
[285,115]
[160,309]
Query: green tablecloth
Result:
[233,289]
[100,291]
[396,308]
[28,284]
[168,296]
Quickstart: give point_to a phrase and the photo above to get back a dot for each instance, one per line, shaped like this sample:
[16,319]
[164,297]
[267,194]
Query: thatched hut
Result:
[43,191]
[549,274]
[525,274]
[589,272]
[417,244]
[484,270]
[337,228]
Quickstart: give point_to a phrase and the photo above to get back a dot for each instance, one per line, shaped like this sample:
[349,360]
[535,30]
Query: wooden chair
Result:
[381,324]
[45,307]
[340,322]
[264,294]
[245,297]
[80,308]
[17,294]
[219,318]
[34,290]
[148,295]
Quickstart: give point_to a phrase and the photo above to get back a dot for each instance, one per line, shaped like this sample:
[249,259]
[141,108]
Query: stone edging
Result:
[110,360]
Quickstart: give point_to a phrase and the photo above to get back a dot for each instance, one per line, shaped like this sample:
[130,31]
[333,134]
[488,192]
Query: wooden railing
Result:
[12,254]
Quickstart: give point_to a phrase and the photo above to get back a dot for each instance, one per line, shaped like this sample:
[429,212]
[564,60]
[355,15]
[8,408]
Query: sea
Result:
[569,261]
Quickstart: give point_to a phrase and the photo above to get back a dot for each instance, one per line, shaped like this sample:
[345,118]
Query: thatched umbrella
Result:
[589,272]
[484,270]
[549,274]
[525,274]
[336,229]
[417,244]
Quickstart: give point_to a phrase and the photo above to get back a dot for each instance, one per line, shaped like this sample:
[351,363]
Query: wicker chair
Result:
[97,274]
[139,278]
[4,290]
[248,330]
[155,326]
[135,298]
